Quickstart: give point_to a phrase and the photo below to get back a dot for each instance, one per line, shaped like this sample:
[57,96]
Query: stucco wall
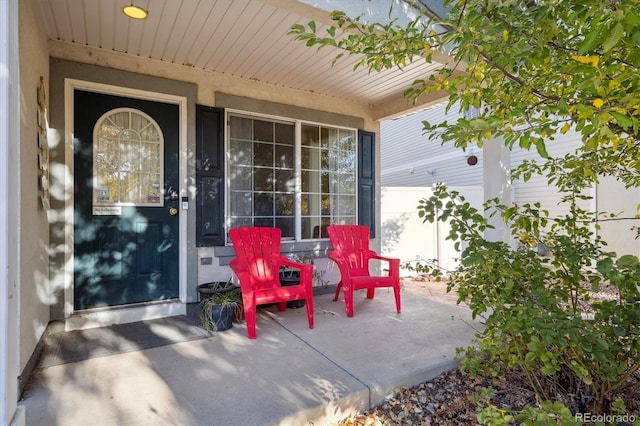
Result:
[10,412]
[33,244]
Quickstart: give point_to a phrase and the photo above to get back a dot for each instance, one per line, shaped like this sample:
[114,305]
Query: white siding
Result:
[409,158]
[609,196]
[537,189]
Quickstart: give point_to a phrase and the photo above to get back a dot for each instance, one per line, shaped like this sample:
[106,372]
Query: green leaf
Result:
[605,266]
[622,119]
[614,37]
[619,331]
[529,358]
[589,41]
[632,18]
[602,344]
[542,148]
[627,261]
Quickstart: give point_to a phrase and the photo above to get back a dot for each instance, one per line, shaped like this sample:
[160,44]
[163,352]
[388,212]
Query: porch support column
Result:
[10,413]
[496,160]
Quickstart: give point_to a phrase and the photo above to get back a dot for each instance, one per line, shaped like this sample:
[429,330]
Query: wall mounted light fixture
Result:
[135,12]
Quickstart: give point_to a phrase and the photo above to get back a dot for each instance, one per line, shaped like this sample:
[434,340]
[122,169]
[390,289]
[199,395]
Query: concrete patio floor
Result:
[289,375]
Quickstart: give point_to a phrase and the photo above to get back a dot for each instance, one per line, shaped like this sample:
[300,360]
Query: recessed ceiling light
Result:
[135,12]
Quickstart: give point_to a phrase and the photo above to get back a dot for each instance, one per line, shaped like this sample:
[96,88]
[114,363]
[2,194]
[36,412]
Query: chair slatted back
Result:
[351,243]
[258,252]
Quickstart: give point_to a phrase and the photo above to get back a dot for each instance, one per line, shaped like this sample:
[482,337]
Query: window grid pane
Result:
[128,151]
[261,171]
[262,176]
[327,178]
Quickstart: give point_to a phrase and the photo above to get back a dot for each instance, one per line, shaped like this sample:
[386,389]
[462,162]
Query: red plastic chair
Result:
[351,253]
[257,266]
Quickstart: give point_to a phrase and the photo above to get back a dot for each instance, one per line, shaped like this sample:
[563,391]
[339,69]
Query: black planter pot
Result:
[222,316]
[289,279]
[207,289]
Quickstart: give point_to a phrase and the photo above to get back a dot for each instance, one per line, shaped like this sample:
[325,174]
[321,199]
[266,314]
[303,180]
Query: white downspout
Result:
[496,162]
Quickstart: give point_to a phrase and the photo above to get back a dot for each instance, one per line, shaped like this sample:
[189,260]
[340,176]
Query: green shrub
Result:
[534,307]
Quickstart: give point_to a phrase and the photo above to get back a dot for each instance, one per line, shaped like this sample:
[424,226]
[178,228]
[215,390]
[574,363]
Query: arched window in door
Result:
[128,148]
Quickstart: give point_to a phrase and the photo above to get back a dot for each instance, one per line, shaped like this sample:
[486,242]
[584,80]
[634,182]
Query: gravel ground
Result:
[441,401]
[447,401]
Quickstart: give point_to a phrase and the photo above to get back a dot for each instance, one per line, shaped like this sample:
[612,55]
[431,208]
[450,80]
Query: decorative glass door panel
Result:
[128,156]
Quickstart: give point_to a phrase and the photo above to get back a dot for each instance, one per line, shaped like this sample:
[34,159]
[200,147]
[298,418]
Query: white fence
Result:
[405,236]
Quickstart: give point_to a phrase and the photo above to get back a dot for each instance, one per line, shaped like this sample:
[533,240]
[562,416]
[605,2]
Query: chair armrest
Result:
[306,272]
[296,265]
[243,275]
[342,263]
[374,255]
[394,263]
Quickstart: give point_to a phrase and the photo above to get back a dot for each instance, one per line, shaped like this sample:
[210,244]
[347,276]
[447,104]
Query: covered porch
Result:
[230,56]
[288,375]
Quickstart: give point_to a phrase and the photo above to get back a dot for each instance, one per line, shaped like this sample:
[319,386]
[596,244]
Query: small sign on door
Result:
[107,210]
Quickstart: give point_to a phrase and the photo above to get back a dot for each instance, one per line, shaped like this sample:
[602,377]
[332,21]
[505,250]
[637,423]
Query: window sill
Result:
[320,249]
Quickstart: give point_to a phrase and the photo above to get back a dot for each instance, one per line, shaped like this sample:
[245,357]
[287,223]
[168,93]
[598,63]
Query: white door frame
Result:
[10,109]
[136,312]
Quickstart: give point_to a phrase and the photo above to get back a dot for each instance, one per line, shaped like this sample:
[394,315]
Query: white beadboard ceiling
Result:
[243,38]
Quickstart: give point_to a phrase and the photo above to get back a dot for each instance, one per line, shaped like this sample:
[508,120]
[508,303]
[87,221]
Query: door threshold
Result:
[123,314]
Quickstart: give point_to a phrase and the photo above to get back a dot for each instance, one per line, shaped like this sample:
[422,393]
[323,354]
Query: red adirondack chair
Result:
[257,266]
[352,254]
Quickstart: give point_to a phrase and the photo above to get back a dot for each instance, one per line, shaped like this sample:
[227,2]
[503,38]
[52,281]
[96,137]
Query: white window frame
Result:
[298,165]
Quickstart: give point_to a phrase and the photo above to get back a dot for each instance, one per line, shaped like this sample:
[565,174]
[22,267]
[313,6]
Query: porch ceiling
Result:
[242,38]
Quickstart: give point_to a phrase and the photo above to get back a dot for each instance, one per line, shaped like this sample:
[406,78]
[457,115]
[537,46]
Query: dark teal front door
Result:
[126,207]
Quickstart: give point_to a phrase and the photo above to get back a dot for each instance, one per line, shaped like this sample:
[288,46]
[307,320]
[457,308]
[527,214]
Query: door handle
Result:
[173,211]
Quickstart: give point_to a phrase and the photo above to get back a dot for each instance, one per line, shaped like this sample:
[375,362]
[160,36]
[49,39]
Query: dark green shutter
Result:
[367,180]
[209,176]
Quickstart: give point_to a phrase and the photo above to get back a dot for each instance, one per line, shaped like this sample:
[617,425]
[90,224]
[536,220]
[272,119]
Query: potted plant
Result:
[217,310]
